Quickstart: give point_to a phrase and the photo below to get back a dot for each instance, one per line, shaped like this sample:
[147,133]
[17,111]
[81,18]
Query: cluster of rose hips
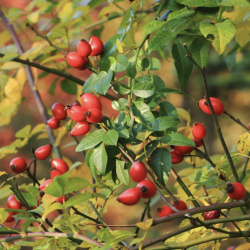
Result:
[145,188]
[19,165]
[79,59]
[89,112]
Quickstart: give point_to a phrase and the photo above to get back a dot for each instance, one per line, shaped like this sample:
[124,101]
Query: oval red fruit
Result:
[81,128]
[18,165]
[60,199]
[75,60]
[130,197]
[59,112]
[60,165]
[94,115]
[199,131]
[96,46]
[183,150]
[77,113]
[43,152]
[147,189]
[198,142]
[13,203]
[165,211]
[86,61]
[10,218]
[53,123]
[180,205]
[45,184]
[210,215]
[138,171]
[76,103]
[90,101]
[176,158]
[54,172]
[216,103]
[84,48]
[236,191]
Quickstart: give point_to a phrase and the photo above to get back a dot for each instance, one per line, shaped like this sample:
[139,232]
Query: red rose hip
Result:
[183,150]
[60,165]
[13,203]
[81,128]
[198,142]
[147,189]
[54,172]
[18,165]
[176,158]
[236,191]
[94,115]
[10,218]
[130,197]
[165,211]
[84,48]
[75,60]
[211,215]
[53,123]
[199,131]
[90,101]
[43,152]
[45,184]
[76,113]
[218,106]
[138,171]
[96,46]
[59,111]
[180,205]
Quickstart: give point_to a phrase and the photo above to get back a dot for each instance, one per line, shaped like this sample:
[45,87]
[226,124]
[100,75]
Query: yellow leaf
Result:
[43,136]
[3,215]
[243,143]
[21,76]
[13,90]
[34,16]
[62,131]
[183,114]
[31,53]
[47,200]
[245,246]
[2,173]
[5,36]
[38,129]
[65,11]
[11,65]
[145,225]
[51,58]
[7,107]
[119,46]
[237,14]
[242,35]
[52,208]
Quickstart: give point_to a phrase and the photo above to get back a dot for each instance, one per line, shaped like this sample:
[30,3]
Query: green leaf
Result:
[198,3]
[143,113]
[173,91]
[200,51]
[99,82]
[53,86]
[120,105]
[122,173]
[145,63]
[90,141]
[94,3]
[77,200]
[8,57]
[242,35]
[31,200]
[124,89]
[54,189]
[121,63]
[27,223]
[75,184]
[223,33]
[123,132]
[131,70]
[182,64]
[177,140]
[117,236]
[164,122]
[180,13]
[149,149]
[151,27]
[143,87]
[68,87]
[161,164]
[167,109]
[100,158]
[3,80]
[155,64]
[24,132]
[111,137]
[34,191]
[235,3]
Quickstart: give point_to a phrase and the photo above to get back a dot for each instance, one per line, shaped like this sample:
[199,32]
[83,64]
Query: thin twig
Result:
[237,121]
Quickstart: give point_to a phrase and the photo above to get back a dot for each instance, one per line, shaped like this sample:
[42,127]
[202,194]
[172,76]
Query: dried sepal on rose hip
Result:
[147,188]
[236,190]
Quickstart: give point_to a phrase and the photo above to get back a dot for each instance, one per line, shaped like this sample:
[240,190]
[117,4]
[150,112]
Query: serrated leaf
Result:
[100,158]
[75,184]
[51,208]
[143,87]
[182,64]
[161,164]
[143,113]
[111,137]
[131,70]
[90,141]
[180,13]
[167,109]
[164,122]
[223,33]
[177,140]
[151,27]
[120,105]
[198,3]
[155,64]
[68,86]
[122,173]
[77,200]
[99,82]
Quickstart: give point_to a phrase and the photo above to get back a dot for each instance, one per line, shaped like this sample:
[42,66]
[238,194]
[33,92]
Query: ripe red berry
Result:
[199,131]
[60,199]
[236,191]
[96,45]
[60,165]
[86,61]
[18,165]
[180,205]
[90,101]
[165,211]
[59,111]
[55,172]
[147,188]
[77,113]
[84,48]
[76,103]
[53,123]
[210,215]
[13,203]
[93,115]
[198,142]
[216,103]
[43,152]
[176,158]
[183,150]
[75,60]
[138,171]
[81,128]
[45,184]
[130,197]
[10,218]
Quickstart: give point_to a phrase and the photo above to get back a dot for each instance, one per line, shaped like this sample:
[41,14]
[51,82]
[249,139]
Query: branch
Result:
[237,121]
[36,94]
